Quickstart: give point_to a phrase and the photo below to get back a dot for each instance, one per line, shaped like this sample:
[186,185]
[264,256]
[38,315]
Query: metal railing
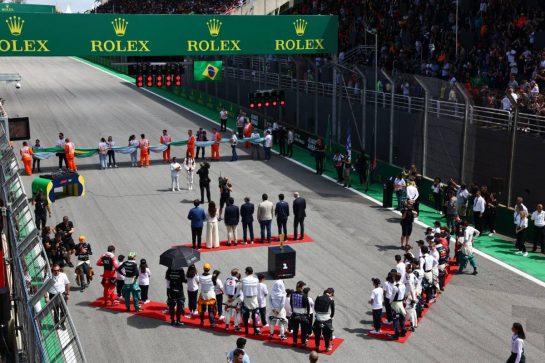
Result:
[44,330]
[481,116]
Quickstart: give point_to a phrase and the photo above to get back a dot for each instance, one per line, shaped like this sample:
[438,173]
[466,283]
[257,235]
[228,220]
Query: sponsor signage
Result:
[27,34]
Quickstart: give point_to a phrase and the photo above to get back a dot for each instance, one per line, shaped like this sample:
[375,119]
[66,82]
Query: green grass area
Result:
[499,247]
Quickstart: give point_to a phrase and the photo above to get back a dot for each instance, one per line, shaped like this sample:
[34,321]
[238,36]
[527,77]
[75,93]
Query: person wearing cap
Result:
[324,308]
[83,251]
[249,298]
[109,262]
[129,270]
[207,297]
[377,299]
[396,301]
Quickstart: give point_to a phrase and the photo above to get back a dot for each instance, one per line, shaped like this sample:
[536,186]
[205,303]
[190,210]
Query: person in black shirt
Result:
[66,228]
[58,251]
[282,138]
[175,294]
[225,193]
[324,309]
[41,209]
[129,270]
[362,166]
[204,181]
[319,155]
[300,314]
[83,268]
[201,136]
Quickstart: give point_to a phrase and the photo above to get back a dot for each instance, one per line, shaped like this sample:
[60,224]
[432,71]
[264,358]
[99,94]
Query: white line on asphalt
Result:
[375,201]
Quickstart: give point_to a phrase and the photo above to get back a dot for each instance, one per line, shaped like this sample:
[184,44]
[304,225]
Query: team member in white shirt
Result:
[218,290]
[223,119]
[175,168]
[377,300]
[520,229]
[412,195]
[399,188]
[262,293]
[207,297]
[189,166]
[267,145]
[61,286]
[396,300]
[277,302]
[388,289]
[411,296]
[467,248]
[61,144]
[233,299]
[538,217]
[400,267]
[427,262]
[517,344]
[249,297]
[479,206]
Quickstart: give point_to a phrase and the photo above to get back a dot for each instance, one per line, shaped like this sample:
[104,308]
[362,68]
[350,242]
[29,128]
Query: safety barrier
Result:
[40,337]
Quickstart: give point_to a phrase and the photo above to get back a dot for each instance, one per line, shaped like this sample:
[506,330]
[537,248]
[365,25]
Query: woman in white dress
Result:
[212,234]
[189,166]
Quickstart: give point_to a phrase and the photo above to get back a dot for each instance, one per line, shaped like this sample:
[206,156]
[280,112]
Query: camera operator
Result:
[225,192]
[204,180]
[66,228]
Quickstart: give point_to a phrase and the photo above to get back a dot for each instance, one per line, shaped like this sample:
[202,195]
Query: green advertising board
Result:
[165,35]
[26,8]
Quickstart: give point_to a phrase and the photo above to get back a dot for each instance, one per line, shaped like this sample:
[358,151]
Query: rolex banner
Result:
[35,34]
[207,71]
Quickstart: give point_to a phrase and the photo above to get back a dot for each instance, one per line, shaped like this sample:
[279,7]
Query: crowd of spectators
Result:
[498,42]
[167,6]
[498,45]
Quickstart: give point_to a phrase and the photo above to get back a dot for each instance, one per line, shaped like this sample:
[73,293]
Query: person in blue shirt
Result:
[196,216]
[241,343]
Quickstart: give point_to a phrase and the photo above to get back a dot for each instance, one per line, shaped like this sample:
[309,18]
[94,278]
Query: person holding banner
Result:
[26,157]
[165,139]
[69,151]
[216,137]
[247,132]
[190,144]
[144,151]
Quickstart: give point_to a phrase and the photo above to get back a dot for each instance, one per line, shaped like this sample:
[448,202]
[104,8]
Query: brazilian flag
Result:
[207,70]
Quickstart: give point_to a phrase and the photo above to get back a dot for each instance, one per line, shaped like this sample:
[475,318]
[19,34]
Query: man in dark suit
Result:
[247,218]
[282,212]
[231,218]
[299,207]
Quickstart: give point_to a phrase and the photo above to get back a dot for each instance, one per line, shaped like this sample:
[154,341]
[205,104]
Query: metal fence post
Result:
[424,124]
[363,106]
[391,138]
[464,133]
[513,149]
[334,100]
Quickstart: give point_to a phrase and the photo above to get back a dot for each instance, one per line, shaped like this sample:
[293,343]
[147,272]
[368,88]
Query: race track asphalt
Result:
[355,240]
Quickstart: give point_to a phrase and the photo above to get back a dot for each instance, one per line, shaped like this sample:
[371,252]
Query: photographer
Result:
[204,181]
[225,192]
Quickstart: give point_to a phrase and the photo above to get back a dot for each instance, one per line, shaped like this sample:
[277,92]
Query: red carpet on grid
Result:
[156,310]
[274,242]
[387,331]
